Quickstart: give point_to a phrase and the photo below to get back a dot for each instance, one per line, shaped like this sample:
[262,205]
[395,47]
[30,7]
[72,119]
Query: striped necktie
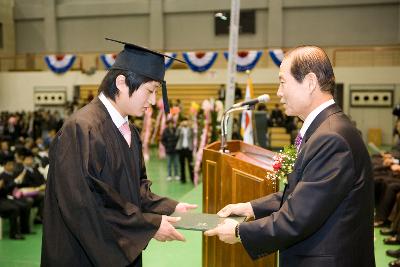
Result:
[126,132]
[297,141]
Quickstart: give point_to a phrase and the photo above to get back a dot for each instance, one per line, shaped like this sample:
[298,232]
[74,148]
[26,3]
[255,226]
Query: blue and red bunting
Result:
[200,61]
[246,60]
[276,56]
[168,61]
[108,59]
[60,63]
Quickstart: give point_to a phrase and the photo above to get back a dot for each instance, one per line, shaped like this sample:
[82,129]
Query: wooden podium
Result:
[237,176]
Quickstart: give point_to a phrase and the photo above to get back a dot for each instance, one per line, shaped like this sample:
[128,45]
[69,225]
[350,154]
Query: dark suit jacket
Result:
[326,217]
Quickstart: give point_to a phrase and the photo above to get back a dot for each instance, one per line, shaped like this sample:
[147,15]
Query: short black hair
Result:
[307,59]
[133,80]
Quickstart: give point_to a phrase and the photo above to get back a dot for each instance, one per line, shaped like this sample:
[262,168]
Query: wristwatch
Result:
[237,235]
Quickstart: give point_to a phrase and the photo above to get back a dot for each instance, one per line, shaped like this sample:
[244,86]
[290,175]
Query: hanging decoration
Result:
[159,128]
[246,60]
[108,59]
[60,63]
[276,56]
[200,61]
[168,61]
[204,138]
[193,111]
[146,132]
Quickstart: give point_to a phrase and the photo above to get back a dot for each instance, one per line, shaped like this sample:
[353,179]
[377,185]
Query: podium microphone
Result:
[261,99]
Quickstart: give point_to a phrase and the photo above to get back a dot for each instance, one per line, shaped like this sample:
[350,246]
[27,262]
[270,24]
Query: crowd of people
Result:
[387,195]
[24,141]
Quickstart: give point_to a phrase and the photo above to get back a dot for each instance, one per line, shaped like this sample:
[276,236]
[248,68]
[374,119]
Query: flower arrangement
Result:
[283,164]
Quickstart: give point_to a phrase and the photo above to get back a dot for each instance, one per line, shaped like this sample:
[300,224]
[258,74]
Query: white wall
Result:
[16,88]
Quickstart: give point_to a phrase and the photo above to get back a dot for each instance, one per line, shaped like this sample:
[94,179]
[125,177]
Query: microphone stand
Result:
[224,122]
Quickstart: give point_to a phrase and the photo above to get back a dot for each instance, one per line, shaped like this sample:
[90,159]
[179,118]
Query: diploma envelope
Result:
[201,221]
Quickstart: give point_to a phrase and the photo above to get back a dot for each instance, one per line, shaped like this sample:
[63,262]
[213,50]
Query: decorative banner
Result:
[277,56]
[146,132]
[108,59]
[168,61]
[60,63]
[159,128]
[206,107]
[246,60]
[200,61]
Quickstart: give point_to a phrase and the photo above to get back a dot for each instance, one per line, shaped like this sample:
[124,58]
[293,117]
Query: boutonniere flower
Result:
[283,164]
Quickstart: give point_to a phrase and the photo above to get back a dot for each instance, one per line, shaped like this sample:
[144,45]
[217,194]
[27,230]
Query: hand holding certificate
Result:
[227,231]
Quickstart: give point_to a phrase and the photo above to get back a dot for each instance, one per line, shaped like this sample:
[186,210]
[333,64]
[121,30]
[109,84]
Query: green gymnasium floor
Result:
[26,253]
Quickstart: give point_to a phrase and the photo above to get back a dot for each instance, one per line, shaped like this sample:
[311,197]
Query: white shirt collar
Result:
[310,118]
[115,115]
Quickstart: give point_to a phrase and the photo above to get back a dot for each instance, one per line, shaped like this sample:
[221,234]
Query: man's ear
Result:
[312,81]
[120,83]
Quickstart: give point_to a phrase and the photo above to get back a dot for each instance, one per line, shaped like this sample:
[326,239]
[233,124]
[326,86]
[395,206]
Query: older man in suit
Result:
[324,217]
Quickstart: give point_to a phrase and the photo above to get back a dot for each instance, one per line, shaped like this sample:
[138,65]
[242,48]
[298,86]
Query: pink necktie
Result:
[126,132]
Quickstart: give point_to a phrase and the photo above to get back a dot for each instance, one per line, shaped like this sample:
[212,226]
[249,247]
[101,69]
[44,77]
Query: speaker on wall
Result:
[371,98]
[49,98]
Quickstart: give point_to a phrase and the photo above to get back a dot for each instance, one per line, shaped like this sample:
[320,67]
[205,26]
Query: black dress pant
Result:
[186,155]
[385,206]
[9,209]
[380,186]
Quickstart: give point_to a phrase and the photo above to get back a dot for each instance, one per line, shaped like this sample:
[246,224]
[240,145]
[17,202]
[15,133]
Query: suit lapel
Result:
[294,177]
[321,117]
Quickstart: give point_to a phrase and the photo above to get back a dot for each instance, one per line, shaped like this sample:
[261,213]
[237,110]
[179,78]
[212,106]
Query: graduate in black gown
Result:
[99,209]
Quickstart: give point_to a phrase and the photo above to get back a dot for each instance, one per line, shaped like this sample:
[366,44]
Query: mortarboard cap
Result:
[145,62]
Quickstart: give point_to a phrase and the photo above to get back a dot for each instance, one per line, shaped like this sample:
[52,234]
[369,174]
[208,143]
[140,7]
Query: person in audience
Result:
[385,173]
[19,161]
[238,92]
[277,117]
[169,139]
[396,134]
[49,138]
[387,203]
[184,146]
[5,153]
[99,209]
[221,92]
[34,182]
[394,232]
[18,210]
[236,131]
[324,216]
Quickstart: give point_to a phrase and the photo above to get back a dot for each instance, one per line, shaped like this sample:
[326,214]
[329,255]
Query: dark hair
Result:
[307,59]
[132,80]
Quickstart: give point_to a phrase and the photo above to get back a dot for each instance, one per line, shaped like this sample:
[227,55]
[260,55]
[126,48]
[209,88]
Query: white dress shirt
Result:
[115,115]
[311,117]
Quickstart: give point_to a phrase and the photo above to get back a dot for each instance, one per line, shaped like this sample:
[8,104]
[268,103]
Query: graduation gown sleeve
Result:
[111,230]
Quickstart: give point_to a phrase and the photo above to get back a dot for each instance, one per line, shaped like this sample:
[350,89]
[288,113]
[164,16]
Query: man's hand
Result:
[240,209]
[184,207]
[167,232]
[1,183]
[225,231]
[20,178]
[395,167]
[387,161]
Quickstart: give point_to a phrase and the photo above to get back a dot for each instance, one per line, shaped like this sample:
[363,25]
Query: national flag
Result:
[246,128]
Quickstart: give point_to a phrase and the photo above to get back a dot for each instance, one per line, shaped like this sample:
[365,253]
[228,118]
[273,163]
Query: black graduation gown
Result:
[99,210]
